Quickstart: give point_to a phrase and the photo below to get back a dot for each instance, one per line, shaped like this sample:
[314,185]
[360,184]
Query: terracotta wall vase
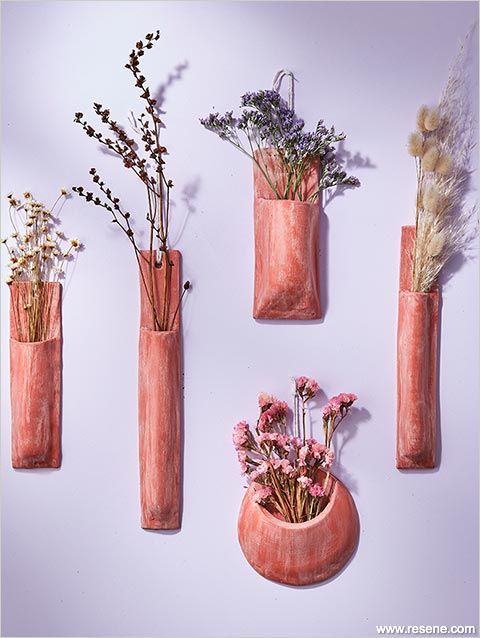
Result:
[286,247]
[159,408]
[35,388]
[417,367]
[300,553]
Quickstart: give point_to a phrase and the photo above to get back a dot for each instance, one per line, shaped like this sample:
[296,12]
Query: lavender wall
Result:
[75,561]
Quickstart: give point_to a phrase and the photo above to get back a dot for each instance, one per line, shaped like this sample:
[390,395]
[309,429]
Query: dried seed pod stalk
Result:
[145,157]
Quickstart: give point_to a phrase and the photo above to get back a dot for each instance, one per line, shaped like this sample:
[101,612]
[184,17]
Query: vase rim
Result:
[35,343]
[296,202]
[146,330]
[313,521]
[419,293]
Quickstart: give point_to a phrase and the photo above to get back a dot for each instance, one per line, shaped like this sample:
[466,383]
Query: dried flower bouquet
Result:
[39,254]
[284,466]
[445,224]
[291,168]
[159,387]
[268,122]
[297,524]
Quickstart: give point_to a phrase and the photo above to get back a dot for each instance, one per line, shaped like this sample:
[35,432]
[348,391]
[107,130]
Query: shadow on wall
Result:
[172,77]
[348,161]
[344,435]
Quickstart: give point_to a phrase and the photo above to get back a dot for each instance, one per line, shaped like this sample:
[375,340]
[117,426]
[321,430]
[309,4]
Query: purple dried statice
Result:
[267,121]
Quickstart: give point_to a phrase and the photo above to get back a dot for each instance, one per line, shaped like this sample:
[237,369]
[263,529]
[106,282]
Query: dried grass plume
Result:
[446,221]
[429,160]
[415,144]
[421,115]
[432,120]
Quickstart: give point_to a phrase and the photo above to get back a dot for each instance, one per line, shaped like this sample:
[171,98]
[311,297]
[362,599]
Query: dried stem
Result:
[148,166]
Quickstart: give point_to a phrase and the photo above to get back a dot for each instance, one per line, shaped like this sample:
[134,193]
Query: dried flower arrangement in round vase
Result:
[444,226]
[291,169]
[39,254]
[161,295]
[298,523]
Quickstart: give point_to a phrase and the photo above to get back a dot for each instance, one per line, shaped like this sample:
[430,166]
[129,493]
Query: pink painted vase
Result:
[159,407]
[417,367]
[300,553]
[35,387]
[286,245]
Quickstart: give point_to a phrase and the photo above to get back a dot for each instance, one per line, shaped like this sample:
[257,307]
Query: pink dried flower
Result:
[306,387]
[261,493]
[265,399]
[329,457]
[316,490]
[275,413]
[240,434]
[281,440]
[242,459]
[295,441]
[300,383]
[327,411]
[287,467]
[346,398]
[332,408]
[303,454]
[267,437]
[318,449]
[304,481]
[284,465]
[260,470]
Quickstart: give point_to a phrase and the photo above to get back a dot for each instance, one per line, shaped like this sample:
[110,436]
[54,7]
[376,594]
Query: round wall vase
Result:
[300,553]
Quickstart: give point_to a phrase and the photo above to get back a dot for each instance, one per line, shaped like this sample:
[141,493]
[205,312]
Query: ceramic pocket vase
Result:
[300,553]
[286,246]
[417,367]
[159,407]
[35,387]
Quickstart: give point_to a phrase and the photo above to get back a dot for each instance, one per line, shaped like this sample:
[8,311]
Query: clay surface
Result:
[417,367]
[301,553]
[35,390]
[267,159]
[159,412]
[286,248]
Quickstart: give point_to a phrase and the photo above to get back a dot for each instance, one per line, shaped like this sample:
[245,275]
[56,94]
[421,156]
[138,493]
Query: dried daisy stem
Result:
[442,148]
[39,254]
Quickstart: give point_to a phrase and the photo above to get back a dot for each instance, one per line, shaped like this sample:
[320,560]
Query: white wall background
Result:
[75,561]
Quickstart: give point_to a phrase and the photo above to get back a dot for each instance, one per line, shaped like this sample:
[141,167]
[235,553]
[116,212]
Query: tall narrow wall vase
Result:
[159,403]
[35,384]
[417,366]
[286,245]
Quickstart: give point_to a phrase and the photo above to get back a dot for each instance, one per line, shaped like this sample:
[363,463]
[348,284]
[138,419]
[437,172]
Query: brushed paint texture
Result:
[159,410]
[35,390]
[286,247]
[417,367]
[300,553]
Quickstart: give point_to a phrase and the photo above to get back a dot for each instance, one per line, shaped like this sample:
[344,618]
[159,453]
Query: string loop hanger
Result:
[277,83]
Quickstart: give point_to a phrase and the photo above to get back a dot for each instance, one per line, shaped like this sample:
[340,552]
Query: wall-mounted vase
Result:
[417,367]
[300,553]
[160,403]
[286,246]
[35,383]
